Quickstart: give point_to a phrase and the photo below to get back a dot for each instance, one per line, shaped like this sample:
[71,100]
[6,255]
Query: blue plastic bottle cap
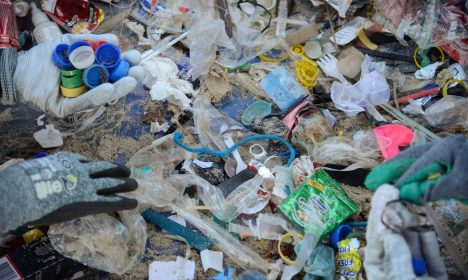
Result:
[108,55]
[41,155]
[339,233]
[60,57]
[120,71]
[95,75]
[419,266]
[77,44]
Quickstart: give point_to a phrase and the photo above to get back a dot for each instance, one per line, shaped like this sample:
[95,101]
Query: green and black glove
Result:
[427,172]
[61,187]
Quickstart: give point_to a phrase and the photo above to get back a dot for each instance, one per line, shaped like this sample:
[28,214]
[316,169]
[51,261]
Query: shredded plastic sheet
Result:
[450,111]
[226,209]
[340,150]
[102,241]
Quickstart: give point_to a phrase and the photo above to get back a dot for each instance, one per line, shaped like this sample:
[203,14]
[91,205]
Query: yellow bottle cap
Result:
[73,92]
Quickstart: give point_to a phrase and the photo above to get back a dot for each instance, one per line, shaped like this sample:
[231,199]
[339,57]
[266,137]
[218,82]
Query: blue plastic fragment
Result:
[228,274]
[195,239]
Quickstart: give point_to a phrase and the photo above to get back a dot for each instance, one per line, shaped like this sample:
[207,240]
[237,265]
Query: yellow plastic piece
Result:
[287,260]
[307,71]
[73,92]
[365,40]
[415,56]
[32,235]
[274,60]
[297,49]
[445,87]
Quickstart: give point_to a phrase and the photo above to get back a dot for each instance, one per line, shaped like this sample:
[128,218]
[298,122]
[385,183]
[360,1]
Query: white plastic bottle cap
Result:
[82,57]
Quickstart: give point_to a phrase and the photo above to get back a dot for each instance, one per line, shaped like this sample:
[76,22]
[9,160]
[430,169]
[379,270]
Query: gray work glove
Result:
[61,187]
[427,172]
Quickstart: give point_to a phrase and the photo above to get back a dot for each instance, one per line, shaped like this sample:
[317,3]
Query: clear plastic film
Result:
[340,150]
[102,241]
[210,124]
[450,111]
[243,256]
[224,208]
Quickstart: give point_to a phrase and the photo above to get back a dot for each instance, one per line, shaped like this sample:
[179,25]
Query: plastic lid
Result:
[339,233]
[73,92]
[108,55]
[95,75]
[77,44]
[120,71]
[82,57]
[60,57]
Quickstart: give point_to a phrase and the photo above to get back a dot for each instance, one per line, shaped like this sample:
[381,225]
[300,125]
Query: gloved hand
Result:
[61,187]
[427,172]
[387,255]
[37,79]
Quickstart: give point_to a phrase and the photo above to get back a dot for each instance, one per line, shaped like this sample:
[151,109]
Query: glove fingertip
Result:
[137,72]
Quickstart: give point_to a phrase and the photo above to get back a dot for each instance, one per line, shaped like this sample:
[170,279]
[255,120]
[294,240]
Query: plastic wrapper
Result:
[348,260]
[224,208]
[243,256]
[102,241]
[364,151]
[210,124]
[449,112]
[428,23]
[319,205]
[75,16]
[303,251]
[310,131]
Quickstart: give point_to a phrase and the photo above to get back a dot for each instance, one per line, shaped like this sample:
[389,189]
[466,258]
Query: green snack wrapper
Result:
[320,203]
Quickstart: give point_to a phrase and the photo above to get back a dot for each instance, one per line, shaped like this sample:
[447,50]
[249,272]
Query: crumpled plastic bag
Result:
[102,241]
[224,208]
[162,77]
[321,264]
[206,34]
[428,23]
[372,89]
[450,111]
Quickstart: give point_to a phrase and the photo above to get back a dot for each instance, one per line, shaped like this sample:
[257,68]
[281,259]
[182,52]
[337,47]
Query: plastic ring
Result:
[445,87]
[73,92]
[287,260]
[339,233]
[72,82]
[259,155]
[69,73]
[415,56]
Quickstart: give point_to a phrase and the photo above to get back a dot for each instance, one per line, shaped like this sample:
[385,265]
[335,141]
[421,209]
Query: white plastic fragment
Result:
[178,219]
[156,127]
[49,137]
[203,164]
[212,259]
[39,120]
[181,269]
[427,72]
